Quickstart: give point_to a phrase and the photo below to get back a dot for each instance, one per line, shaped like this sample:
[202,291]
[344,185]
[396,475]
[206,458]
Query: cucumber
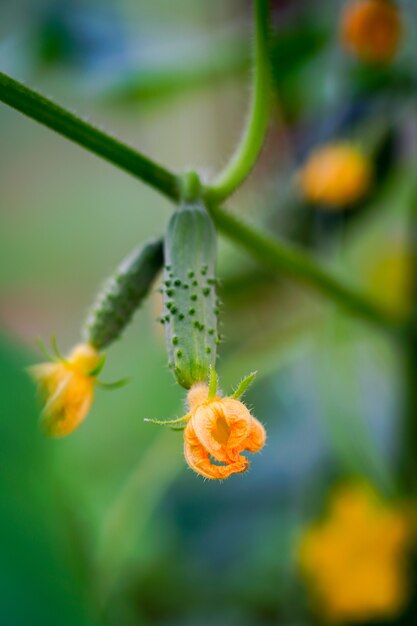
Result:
[122,294]
[189,294]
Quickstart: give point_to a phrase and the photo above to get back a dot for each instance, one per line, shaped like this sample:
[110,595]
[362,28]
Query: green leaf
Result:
[55,348]
[174,422]
[43,349]
[114,385]
[96,371]
[243,386]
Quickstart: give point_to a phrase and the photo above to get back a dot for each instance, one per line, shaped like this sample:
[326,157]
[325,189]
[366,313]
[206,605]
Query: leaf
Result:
[55,348]
[43,349]
[96,371]
[114,385]
[174,422]
[243,386]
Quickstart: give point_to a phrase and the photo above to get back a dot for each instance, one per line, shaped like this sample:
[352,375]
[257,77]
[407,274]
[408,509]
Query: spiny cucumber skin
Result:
[123,293]
[189,294]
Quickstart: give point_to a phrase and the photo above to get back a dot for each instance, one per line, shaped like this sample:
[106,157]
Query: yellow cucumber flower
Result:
[355,559]
[67,388]
[335,175]
[371,29]
[218,430]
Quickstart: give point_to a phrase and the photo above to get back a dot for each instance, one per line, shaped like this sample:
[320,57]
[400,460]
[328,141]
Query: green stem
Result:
[295,263]
[267,250]
[253,137]
[49,114]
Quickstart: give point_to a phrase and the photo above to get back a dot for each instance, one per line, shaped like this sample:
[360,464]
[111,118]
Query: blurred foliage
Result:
[42,574]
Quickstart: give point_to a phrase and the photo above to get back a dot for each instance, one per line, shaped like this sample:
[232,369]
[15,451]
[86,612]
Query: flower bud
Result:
[67,389]
[371,29]
[335,176]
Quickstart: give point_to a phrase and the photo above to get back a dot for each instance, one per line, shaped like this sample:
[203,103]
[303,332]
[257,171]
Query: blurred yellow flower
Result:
[335,175]
[371,29]
[67,388]
[219,429]
[355,559]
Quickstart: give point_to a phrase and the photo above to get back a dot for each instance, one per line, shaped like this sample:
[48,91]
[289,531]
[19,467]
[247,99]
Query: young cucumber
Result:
[122,294]
[189,290]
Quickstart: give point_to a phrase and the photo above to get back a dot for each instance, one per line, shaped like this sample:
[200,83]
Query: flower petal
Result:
[198,394]
[68,406]
[198,458]
[84,359]
[47,376]
[222,426]
[257,437]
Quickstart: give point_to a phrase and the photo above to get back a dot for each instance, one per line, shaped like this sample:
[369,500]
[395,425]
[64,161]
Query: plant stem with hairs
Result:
[282,257]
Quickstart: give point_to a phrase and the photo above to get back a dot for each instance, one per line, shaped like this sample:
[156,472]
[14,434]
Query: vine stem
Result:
[269,251]
[43,110]
[249,147]
[295,263]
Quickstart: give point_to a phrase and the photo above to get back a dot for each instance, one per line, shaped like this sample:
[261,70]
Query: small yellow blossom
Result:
[67,388]
[355,559]
[335,175]
[371,29]
[218,431]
